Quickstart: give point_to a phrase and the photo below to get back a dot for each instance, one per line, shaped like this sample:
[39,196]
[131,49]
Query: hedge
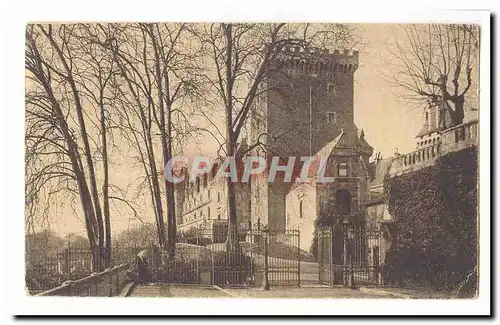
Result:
[435,213]
[190,261]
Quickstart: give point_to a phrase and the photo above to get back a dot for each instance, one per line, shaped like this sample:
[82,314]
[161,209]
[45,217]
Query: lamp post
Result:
[348,268]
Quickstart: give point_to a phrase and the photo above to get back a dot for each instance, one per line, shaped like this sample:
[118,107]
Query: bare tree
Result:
[60,145]
[437,64]
[94,79]
[156,77]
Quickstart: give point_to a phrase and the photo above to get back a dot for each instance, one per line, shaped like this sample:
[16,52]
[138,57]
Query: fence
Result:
[46,272]
[104,284]
[202,257]
[349,255]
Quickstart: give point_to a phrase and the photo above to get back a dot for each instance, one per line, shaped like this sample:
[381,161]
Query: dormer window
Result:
[331,117]
[342,169]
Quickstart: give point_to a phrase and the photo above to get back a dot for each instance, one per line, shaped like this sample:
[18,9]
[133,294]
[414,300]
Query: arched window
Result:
[342,202]
[301,210]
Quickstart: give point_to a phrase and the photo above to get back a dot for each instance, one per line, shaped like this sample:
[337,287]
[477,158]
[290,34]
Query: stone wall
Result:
[301,212]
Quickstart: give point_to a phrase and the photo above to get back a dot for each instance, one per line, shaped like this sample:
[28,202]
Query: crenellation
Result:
[316,60]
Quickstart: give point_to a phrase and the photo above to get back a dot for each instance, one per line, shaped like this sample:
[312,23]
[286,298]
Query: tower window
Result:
[342,169]
[301,210]
[331,89]
[331,117]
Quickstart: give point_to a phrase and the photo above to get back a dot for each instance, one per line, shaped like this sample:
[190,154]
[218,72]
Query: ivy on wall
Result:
[435,213]
[325,220]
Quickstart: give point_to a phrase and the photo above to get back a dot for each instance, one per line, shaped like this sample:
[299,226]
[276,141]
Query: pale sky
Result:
[388,123]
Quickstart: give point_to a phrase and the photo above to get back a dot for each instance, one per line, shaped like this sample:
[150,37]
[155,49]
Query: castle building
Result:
[342,199]
[202,204]
[306,106]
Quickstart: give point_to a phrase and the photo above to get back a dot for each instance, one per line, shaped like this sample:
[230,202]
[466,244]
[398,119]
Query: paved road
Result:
[184,291]
[192,291]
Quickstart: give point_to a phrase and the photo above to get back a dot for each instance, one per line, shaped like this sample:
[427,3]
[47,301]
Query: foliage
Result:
[435,209]
[50,260]
[190,260]
[193,236]
[129,242]
[325,220]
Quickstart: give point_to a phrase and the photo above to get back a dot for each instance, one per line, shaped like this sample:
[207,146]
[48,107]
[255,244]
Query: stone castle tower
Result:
[306,102]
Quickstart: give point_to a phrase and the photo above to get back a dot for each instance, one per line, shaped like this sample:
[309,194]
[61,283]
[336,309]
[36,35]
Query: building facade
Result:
[201,203]
[343,197]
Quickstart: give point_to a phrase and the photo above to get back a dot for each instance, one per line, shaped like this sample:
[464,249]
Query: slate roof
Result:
[379,170]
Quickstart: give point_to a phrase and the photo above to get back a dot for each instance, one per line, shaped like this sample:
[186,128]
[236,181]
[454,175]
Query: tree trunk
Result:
[169,187]
[165,125]
[105,186]
[165,139]
[232,234]
[458,114]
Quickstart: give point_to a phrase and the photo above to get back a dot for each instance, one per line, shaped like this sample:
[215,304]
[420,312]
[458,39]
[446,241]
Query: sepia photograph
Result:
[239,159]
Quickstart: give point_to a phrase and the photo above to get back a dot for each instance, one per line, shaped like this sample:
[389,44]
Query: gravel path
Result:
[192,291]
[181,291]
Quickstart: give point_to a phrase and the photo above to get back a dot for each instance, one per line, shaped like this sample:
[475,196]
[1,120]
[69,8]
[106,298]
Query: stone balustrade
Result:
[453,139]
[460,137]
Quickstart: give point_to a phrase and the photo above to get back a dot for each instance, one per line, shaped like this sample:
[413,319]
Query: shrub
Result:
[191,261]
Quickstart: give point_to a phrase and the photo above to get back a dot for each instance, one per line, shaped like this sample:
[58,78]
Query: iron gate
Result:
[202,258]
[349,255]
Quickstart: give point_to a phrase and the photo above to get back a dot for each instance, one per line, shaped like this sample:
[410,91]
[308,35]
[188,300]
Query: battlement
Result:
[316,60]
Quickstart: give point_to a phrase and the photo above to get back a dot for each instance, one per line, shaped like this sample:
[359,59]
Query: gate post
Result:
[298,258]
[265,283]
[331,278]
[345,239]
